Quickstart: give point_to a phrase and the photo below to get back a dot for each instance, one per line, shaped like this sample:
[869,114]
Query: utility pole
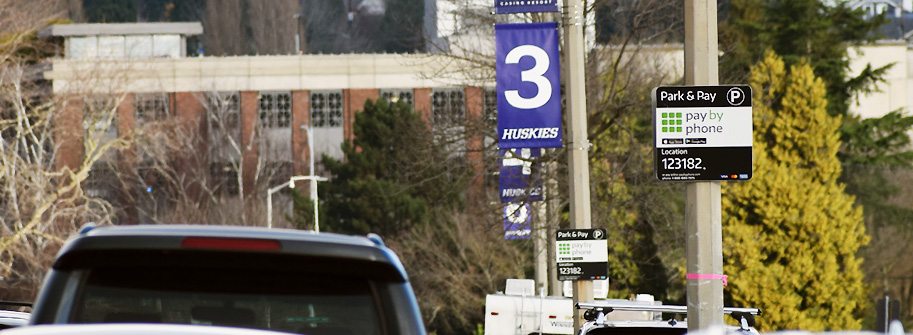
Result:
[578,160]
[703,213]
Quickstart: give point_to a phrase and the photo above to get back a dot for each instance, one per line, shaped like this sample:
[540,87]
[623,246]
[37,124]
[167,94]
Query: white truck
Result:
[518,311]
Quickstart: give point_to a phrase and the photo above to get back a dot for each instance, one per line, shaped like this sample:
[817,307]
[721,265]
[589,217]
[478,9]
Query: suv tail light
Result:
[230,243]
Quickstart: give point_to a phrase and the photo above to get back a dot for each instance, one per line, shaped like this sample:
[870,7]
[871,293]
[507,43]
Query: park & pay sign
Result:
[702,133]
[582,254]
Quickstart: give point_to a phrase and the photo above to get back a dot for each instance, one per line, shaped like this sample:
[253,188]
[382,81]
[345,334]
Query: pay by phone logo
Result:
[671,122]
[564,248]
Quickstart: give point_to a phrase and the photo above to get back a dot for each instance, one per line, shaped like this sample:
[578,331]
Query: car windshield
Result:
[282,301]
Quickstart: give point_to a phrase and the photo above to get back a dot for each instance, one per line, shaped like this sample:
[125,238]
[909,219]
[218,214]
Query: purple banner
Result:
[525,6]
[515,174]
[517,221]
[529,86]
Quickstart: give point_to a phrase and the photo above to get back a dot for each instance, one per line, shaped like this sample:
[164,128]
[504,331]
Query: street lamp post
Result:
[310,137]
[291,184]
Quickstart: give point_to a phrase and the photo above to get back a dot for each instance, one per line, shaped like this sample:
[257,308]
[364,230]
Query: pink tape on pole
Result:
[702,276]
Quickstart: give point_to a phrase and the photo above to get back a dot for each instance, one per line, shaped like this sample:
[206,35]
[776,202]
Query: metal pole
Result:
[578,160]
[540,243]
[703,213]
[552,202]
[310,137]
[310,133]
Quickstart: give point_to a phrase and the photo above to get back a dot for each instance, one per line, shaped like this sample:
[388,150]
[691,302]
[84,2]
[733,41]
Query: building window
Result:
[224,113]
[448,108]
[223,178]
[326,109]
[275,109]
[100,118]
[224,110]
[102,182]
[490,105]
[327,124]
[394,96]
[448,120]
[151,108]
[274,127]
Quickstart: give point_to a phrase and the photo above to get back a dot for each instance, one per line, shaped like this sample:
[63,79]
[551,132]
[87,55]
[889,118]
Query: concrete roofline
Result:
[95,29]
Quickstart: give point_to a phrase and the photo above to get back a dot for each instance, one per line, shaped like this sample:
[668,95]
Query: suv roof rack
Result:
[640,307]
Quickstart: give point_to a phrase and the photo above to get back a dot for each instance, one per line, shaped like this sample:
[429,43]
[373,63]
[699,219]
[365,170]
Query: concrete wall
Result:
[259,73]
[897,92]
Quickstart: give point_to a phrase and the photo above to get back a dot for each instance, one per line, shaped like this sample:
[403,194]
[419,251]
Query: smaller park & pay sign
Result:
[582,254]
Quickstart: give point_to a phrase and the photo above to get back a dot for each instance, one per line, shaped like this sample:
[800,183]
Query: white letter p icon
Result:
[735,96]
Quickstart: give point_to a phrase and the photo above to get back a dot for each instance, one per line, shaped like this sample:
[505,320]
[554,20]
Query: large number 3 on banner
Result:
[528,85]
[533,75]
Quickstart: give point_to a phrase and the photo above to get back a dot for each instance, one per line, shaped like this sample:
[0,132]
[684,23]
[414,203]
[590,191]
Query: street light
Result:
[291,183]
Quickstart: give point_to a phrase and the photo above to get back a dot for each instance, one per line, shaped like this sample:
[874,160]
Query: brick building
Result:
[266,102]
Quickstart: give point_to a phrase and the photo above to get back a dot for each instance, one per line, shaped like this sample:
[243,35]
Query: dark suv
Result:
[275,279]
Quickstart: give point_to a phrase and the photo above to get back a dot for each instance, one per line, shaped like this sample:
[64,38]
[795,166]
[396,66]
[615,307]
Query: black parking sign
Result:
[582,254]
[702,133]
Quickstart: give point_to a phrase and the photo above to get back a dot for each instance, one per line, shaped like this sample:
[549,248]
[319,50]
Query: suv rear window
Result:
[287,301]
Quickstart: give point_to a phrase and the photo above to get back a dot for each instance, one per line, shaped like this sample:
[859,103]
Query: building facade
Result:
[247,114]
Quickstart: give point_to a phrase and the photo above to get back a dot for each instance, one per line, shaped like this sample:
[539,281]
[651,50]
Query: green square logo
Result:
[564,249]
[671,119]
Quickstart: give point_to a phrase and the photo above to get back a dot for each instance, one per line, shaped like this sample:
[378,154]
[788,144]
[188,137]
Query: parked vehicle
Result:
[518,311]
[599,321]
[274,279]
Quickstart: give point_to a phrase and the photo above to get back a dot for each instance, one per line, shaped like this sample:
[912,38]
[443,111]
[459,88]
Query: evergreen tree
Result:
[810,31]
[873,149]
[800,31]
[110,11]
[791,233]
[394,176]
[303,209]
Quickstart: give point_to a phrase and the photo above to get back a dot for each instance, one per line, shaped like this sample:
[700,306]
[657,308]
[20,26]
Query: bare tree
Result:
[190,168]
[224,27]
[244,27]
[42,199]
[886,258]
[454,264]
[273,25]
